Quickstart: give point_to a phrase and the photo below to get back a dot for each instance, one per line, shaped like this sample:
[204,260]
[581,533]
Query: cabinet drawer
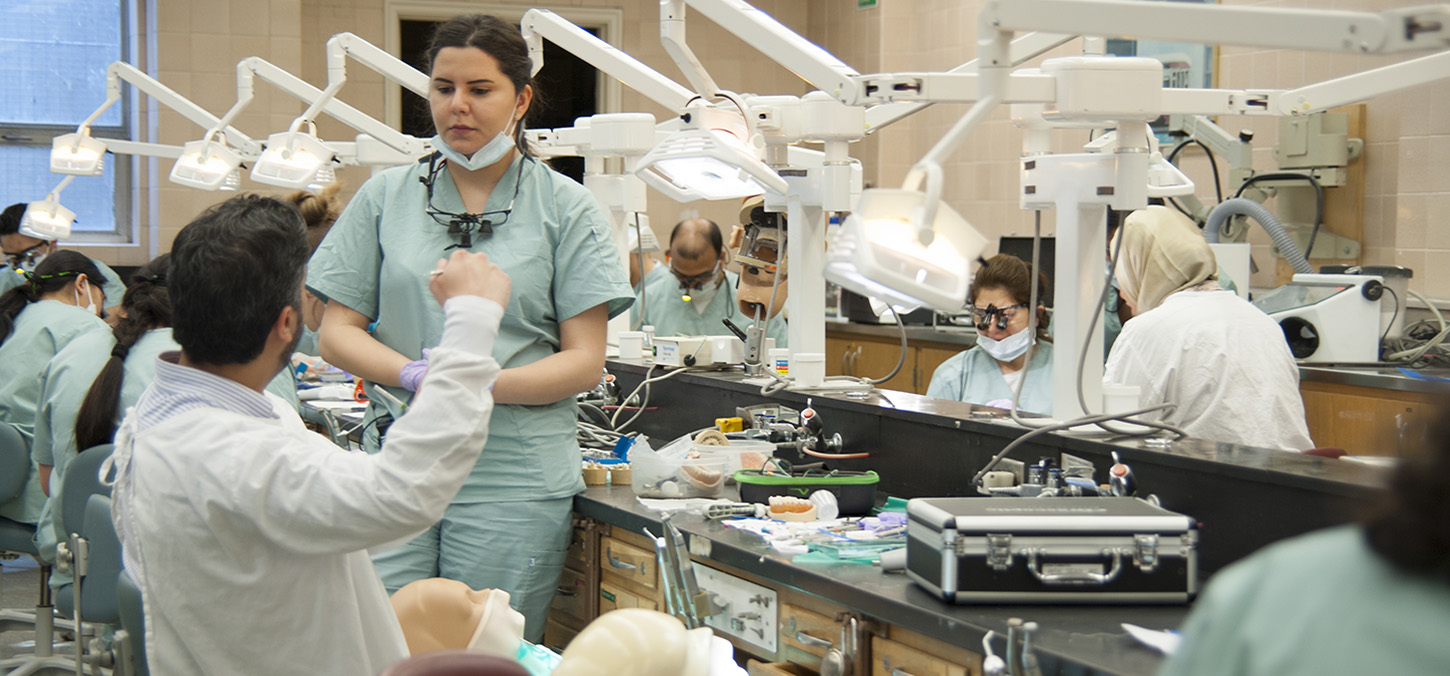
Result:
[578,556]
[558,635]
[612,597]
[807,631]
[572,596]
[890,658]
[756,668]
[628,562]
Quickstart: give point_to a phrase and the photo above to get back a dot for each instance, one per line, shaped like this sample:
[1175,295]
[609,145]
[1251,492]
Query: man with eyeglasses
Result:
[25,249]
[699,292]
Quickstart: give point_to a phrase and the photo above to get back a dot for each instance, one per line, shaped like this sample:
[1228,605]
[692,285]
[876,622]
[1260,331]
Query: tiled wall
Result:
[1407,158]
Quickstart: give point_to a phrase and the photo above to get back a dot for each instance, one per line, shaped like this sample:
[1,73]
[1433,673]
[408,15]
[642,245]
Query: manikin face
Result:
[998,297]
[471,99]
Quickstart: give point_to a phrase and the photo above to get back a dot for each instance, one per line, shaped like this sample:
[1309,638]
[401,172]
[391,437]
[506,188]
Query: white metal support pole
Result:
[805,249]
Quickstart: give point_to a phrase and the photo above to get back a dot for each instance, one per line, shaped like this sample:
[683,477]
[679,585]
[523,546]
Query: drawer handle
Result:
[565,591]
[609,554]
[809,640]
[886,664]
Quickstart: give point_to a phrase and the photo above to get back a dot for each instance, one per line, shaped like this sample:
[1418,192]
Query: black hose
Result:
[1318,199]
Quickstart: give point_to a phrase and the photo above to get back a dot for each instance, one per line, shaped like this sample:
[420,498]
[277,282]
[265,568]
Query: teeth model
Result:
[786,508]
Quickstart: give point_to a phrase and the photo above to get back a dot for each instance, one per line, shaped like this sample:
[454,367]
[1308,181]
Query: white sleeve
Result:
[312,497]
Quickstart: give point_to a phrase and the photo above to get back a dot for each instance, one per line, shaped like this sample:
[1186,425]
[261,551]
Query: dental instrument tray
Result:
[855,491]
[1105,550]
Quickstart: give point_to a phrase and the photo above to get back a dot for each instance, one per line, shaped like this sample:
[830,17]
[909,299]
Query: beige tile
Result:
[210,16]
[286,52]
[1414,166]
[1436,282]
[1413,259]
[1411,222]
[250,18]
[210,54]
[1437,218]
[1383,117]
[173,16]
[1377,256]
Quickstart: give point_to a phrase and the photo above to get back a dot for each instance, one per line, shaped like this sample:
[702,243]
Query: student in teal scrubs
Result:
[508,528]
[319,211]
[89,384]
[699,292]
[987,373]
[59,302]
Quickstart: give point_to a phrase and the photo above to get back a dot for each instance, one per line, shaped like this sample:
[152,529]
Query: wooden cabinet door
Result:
[877,358]
[928,358]
[1365,420]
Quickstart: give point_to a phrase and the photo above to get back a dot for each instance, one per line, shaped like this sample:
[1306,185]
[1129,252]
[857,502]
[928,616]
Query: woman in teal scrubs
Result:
[483,191]
[988,373]
[89,384]
[59,302]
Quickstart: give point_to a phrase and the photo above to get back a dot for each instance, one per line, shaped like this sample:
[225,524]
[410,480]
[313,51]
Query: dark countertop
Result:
[1071,639]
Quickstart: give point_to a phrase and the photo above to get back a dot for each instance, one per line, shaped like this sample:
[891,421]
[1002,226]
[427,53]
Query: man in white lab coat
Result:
[248,534]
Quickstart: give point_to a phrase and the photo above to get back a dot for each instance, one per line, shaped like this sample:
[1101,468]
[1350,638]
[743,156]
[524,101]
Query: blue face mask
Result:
[486,156]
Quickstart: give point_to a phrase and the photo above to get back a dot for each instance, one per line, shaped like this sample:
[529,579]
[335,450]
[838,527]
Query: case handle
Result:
[1077,578]
[809,640]
[609,554]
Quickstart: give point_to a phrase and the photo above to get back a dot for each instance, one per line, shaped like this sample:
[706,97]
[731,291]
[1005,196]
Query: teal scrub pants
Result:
[518,547]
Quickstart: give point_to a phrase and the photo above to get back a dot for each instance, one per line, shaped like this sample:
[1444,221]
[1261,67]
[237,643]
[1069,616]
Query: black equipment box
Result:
[1051,550]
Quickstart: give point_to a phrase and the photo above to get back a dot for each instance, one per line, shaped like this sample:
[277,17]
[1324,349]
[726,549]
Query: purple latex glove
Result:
[411,376]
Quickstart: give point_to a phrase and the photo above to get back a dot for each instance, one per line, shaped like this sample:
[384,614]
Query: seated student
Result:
[699,292]
[1371,598]
[25,249]
[59,302]
[246,533]
[1220,359]
[989,372]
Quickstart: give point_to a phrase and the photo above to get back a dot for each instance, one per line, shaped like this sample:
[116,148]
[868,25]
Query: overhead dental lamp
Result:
[47,219]
[205,164]
[880,253]
[77,154]
[712,157]
[291,160]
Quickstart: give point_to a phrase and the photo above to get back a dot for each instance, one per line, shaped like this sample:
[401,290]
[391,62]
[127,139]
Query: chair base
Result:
[38,666]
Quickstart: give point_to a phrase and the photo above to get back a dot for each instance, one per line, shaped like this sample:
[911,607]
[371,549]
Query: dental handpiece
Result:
[730,509]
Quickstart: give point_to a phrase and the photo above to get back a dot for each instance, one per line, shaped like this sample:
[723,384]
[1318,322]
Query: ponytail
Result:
[53,274]
[147,306]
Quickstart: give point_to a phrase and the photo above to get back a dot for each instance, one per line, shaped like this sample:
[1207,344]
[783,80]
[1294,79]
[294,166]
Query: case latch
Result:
[1145,552]
[999,551]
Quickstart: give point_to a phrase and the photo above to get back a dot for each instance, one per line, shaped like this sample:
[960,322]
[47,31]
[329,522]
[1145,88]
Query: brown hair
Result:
[498,39]
[1013,275]
[319,212]
[1410,524]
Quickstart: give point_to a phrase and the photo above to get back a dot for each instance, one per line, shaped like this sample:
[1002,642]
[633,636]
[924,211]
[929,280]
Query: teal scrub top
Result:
[41,330]
[1322,603]
[973,376]
[64,386]
[558,251]
[115,288]
[665,309]
[661,270]
[308,344]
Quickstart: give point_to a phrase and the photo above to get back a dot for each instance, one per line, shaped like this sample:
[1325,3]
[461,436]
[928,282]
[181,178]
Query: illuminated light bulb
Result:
[77,154]
[206,165]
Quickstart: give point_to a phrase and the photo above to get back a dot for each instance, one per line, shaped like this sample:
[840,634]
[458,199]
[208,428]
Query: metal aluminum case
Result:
[1051,550]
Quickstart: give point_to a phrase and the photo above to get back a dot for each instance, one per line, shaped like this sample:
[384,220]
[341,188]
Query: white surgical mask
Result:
[701,297]
[90,301]
[1008,348]
[486,156]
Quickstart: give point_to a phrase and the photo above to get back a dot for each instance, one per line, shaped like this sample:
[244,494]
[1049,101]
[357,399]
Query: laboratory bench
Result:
[1242,497]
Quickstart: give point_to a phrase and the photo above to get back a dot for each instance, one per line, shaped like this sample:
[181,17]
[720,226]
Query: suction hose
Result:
[1243,206]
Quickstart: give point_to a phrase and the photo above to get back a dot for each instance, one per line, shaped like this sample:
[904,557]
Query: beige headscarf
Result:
[1163,253]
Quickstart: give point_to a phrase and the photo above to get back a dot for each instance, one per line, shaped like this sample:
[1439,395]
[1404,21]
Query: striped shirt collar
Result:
[178,389]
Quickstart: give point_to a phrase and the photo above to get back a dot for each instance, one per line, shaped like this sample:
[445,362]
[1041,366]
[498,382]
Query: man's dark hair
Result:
[10,218]
[689,246]
[233,269]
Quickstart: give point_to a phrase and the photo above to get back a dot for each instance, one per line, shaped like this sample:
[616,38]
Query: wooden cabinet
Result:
[851,354]
[903,653]
[575,600]
[1365,420]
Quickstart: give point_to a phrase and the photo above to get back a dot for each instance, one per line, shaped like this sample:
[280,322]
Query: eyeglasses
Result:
[696,281]
[26,259]
[463,225]
[983,316]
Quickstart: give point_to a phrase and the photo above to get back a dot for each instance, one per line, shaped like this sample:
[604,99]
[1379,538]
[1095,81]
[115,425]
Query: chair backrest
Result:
[98,591]
[14,462]
[133,620]
[81,481]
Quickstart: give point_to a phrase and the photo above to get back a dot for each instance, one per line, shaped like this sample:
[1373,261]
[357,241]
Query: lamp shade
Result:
[204,165]
[291,160]
[710,164]
[46,220]
[77,154]
[877,253]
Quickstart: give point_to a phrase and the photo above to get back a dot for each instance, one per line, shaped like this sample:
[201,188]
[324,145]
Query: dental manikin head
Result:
[760,243]
[441,614]
[644,642]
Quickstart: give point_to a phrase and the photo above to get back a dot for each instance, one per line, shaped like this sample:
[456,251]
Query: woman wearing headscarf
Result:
[1189,342]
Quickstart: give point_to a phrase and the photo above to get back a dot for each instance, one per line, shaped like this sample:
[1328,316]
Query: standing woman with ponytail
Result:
[90,383]
[60,301]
